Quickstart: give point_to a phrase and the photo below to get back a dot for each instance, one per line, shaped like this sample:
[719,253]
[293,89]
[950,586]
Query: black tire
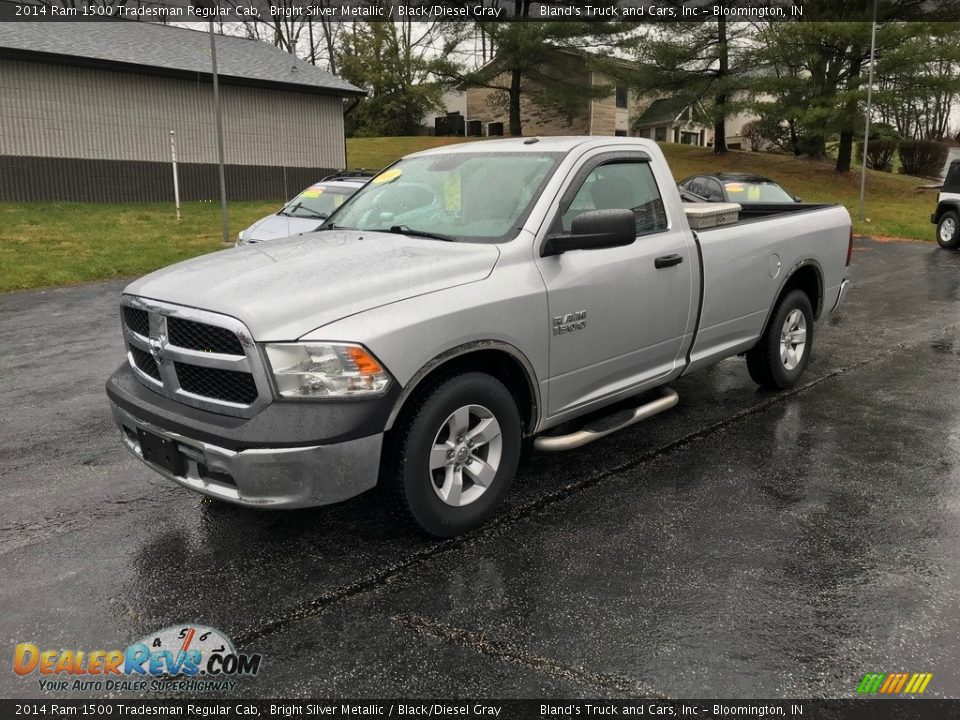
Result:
[764,361]
[943,230]
[410,477]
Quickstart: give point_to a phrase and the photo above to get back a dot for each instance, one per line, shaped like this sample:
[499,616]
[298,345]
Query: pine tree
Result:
[530,56]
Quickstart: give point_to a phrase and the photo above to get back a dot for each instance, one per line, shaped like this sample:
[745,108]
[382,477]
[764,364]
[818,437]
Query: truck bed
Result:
[744,264]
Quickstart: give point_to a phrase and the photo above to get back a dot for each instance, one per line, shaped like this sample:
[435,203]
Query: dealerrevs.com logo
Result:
[188,658]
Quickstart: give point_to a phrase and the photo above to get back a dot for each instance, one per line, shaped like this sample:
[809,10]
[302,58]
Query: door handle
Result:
[667,261]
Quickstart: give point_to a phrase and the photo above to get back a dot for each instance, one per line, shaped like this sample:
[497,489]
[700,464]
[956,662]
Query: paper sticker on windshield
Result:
[338,200]
[386,176]
[734,187]
[451,193]
[313,191]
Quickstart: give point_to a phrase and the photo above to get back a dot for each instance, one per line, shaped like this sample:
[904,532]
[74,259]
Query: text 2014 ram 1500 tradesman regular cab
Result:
[466,297]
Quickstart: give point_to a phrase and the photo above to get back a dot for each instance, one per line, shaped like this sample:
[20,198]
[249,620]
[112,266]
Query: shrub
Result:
[924,158]
[880,152]
[767,133]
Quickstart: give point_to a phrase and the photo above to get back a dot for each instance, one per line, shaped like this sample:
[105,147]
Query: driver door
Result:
[618,316]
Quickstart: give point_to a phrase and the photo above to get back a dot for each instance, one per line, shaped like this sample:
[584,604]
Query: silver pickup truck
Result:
[465,298]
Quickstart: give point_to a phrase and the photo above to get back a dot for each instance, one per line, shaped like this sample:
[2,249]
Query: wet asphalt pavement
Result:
[744,544]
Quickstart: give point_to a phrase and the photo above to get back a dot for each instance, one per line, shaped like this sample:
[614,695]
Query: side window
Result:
[698,186]
[620,186]
[713,190]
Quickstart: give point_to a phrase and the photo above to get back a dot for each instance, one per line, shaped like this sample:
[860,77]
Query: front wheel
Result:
[455,453]
[780,356]
[948,231]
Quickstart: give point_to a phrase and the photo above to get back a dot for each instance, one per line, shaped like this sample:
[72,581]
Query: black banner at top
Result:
[627,11]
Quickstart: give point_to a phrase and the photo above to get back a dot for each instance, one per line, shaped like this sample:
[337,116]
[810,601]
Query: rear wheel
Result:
[948,231]
[454,455]
[780,356]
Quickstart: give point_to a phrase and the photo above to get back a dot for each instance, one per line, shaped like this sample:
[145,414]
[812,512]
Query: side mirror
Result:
[594,230]
[796,198]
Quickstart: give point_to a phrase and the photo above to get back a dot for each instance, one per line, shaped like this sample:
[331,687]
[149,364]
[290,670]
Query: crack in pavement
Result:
[508,518]
[519,656]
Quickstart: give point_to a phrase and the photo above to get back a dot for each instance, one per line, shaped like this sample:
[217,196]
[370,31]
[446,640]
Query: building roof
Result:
[665,111]
[158,49]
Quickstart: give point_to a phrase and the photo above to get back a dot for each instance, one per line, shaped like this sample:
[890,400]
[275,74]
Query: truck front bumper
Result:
[263,477]
[264,462]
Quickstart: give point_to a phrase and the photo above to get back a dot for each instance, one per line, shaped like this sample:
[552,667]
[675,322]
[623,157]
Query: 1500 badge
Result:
[570,322]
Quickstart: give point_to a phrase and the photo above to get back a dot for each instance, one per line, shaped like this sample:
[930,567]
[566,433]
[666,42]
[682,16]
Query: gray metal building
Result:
[86,110]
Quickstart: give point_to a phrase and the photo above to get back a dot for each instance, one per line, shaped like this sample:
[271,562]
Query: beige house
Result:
[675,119]
[609,115]
[682,119]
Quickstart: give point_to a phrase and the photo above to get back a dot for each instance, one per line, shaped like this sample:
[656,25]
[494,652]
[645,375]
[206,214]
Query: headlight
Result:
[325,370]
[240,240]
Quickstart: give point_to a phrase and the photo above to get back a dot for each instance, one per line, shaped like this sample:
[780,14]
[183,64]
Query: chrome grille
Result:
[145,362]
[137,320]
[195,357]
[237,387]
[200,336]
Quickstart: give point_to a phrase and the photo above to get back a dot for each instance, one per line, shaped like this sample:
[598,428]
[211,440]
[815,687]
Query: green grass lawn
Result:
[45,244]
[374,153]
[48,244]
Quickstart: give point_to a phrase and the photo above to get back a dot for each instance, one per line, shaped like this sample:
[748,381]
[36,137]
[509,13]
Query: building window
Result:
[622,93]
[620,133]
[644,133]
[690,138]
[660,134]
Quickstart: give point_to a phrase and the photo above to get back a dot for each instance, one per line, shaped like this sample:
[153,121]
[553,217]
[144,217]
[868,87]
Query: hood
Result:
[284,289]
[279,226]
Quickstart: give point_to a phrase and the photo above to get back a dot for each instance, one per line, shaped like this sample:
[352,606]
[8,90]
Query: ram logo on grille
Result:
[156,348]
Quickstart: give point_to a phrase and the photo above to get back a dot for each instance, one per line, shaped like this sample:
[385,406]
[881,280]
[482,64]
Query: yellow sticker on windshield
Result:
[386,176]
[451,193]
[311,193]
[753,193]
[338,200]
[734,187]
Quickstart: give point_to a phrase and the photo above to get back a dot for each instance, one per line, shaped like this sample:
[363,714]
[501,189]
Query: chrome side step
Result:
[607,425]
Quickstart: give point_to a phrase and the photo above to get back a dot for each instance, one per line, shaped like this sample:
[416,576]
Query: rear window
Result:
[952,182]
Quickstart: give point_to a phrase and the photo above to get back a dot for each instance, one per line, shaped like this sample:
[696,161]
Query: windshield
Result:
[468,197]
[317,201]
[756,191]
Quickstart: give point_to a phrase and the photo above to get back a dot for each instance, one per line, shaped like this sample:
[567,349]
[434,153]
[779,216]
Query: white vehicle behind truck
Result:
[466,297]
[947,215]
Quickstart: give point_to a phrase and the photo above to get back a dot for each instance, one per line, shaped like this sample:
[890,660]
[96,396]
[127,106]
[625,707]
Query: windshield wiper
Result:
[312,214]
[404,230]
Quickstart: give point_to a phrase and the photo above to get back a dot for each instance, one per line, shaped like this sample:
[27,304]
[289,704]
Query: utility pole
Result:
[866,131]
[219,114]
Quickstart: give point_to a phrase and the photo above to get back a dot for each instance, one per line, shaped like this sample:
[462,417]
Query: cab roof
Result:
[561,144]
